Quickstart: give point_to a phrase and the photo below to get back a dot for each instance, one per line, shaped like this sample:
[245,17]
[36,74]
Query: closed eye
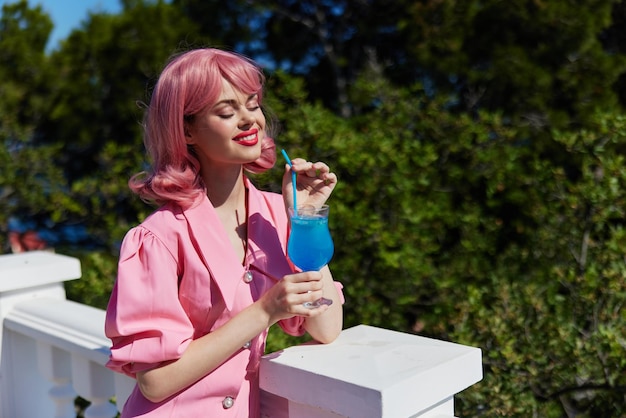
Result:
[226,109]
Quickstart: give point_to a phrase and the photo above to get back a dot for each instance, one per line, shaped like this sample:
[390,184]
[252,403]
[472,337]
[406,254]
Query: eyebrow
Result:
[233,102]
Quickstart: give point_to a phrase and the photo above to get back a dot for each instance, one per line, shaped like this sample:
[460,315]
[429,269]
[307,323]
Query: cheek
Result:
[219,128]
[261,120]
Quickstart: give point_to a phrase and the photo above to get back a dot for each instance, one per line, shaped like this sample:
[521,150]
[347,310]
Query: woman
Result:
[202,279]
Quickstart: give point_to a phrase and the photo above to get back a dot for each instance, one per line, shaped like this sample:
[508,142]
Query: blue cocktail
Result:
[310,245]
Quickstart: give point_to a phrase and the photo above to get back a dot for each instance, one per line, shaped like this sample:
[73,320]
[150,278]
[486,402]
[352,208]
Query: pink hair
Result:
[190,82]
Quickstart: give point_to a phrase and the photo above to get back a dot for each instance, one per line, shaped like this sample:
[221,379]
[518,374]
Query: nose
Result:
[248,119]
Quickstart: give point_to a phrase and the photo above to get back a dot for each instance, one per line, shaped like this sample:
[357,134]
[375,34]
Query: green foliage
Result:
[97,104]
[461,227]
[544,62]
[30,185]
[23,34]
[98,276]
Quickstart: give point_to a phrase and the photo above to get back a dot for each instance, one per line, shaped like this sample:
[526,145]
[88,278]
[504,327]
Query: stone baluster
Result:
[94,382]
[54,365]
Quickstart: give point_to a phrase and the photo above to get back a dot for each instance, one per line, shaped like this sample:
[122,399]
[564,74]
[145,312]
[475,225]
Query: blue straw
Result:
[293,183]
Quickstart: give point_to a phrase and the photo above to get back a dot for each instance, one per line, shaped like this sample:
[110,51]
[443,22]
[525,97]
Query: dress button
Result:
[247,345]
[247,276]
[228,402]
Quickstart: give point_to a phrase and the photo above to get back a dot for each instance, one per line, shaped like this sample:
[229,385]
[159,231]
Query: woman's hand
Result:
[315,183]
[287,297]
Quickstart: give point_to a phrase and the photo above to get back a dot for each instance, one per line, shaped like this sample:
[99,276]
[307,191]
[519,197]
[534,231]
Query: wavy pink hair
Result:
[190,82]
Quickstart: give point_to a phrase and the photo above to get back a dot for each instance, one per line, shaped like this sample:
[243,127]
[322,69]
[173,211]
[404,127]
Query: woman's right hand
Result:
[315,183]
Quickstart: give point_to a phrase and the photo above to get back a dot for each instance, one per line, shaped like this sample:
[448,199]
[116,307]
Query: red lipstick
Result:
[248,138]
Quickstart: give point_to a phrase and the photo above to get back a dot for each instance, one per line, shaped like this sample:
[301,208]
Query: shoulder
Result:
[159,237]
[165,216]
[165,224]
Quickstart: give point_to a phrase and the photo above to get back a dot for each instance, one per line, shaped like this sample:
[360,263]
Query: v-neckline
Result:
[246,230]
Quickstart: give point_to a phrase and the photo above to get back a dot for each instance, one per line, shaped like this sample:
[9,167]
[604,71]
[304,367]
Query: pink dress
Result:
[179,279]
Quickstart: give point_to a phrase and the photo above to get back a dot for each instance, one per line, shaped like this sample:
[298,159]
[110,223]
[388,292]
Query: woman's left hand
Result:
[315,183]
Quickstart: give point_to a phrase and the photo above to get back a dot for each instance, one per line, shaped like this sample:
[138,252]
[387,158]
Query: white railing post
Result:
[368,372]
[27,276]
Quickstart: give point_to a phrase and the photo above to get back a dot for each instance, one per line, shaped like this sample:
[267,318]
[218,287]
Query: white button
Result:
[247,276]
[247,345]
[228,402]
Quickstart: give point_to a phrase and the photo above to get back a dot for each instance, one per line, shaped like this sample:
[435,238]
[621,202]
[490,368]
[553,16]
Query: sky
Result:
[67,15]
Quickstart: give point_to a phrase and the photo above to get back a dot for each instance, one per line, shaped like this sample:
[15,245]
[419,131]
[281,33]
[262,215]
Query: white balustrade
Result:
[53,349]
[24,277]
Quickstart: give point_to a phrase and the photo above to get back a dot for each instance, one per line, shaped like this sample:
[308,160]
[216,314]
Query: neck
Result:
[227,192]
[225,188]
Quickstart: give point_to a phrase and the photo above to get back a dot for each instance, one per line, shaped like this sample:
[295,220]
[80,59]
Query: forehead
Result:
[230,93]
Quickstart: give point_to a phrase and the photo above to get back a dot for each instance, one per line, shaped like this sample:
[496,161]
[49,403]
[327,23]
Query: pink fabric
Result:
[176,283]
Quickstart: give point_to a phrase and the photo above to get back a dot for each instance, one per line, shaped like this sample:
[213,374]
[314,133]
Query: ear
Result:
[189,139]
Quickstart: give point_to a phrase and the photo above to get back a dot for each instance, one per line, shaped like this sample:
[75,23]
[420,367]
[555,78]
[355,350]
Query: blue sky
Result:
[68,14]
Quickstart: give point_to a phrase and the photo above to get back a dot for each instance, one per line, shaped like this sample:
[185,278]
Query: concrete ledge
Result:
[71,326]
[371,372]
[36,268]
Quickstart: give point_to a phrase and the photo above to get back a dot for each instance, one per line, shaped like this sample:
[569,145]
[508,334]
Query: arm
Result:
[205,354]
[315,184]
[325,328]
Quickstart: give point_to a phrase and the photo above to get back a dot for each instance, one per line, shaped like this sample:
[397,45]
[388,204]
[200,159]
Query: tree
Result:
[30,186]
[327,43]
[544,63]
[23,36]
[104,73]
[454,226]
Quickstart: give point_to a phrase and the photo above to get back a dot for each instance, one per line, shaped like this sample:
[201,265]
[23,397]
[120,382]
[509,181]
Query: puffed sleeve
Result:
[295,325]
[144,319]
